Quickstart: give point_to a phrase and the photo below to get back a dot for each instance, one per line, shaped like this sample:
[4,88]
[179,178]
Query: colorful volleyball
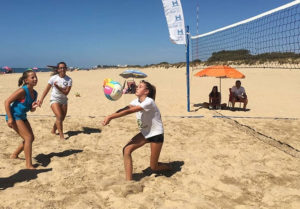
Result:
[112,89]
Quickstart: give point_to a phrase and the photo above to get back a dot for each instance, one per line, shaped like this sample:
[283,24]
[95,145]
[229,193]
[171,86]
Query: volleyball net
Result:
[268,40]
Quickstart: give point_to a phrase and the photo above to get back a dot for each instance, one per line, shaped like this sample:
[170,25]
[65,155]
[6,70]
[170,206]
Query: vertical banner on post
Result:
[175,21]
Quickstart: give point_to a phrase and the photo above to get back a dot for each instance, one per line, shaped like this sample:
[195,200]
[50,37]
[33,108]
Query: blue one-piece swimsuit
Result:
[19,108]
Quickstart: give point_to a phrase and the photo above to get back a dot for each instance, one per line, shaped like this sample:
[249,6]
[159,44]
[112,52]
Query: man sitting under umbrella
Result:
[239,94]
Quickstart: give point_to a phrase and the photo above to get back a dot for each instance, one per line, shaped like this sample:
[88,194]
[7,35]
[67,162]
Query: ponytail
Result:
[21,81]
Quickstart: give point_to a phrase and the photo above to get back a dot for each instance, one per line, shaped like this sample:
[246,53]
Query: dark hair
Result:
[56,68]
[151,88]
[21,81]
[214,94]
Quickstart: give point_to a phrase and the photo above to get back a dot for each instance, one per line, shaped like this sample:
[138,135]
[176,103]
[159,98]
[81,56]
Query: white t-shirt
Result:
[238,91]
[149,119]
[61,82]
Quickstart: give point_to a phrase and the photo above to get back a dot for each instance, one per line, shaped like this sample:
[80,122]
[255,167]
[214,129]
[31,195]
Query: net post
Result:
[188,67]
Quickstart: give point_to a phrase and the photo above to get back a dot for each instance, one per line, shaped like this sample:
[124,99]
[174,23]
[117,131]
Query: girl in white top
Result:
[61,85]
[150,124]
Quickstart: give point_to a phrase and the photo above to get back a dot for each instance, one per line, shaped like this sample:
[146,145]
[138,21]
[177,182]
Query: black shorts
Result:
[238,98]
[157,139]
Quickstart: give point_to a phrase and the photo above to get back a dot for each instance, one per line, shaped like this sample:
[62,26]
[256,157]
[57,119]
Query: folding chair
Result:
[230,100]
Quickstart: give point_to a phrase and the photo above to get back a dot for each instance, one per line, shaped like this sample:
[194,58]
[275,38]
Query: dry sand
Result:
[248,160]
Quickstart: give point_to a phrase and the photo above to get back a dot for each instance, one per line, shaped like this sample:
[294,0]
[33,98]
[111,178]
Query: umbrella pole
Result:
[220,92]
[124,83]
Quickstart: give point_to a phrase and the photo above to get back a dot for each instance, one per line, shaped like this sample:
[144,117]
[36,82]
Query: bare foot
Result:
[13,156]
[30,167]
[164,167]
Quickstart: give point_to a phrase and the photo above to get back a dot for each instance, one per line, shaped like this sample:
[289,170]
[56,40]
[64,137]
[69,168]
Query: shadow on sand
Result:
[21,176]
[225,107]
[45,160]
[86,130]
[176,167]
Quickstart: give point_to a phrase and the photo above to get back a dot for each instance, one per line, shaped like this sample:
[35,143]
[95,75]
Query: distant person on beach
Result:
[214,99]
[150,124]
[16,106]
[239,94]
[131,89]
[61,85]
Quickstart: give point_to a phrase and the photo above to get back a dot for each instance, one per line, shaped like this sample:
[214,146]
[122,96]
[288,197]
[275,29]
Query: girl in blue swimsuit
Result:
[16,107]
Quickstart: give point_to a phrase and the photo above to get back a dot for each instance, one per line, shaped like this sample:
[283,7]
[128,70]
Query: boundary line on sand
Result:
[254,117]
[184,116]
[92,116]
[282,146]
[180,116]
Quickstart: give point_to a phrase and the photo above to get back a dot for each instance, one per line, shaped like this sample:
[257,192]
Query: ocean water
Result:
[21,70]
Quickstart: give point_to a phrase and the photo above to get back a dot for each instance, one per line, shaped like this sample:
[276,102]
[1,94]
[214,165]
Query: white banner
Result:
[175,20]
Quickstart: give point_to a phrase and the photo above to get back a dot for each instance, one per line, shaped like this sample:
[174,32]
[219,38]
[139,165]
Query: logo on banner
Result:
[175,3]
[178,18]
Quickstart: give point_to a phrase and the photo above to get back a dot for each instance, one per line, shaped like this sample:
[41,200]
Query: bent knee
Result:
[29,138]
[59,119]
[127,151]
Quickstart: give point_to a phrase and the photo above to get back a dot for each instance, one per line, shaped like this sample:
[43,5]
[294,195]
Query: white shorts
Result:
[59,101]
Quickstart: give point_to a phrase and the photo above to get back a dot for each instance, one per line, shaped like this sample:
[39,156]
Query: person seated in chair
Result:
[131,89]
[239,94]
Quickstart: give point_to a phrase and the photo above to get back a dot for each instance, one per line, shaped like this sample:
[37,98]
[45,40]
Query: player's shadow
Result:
[86,130]
[21,176]
[45,160]
[198,107]
[176,167]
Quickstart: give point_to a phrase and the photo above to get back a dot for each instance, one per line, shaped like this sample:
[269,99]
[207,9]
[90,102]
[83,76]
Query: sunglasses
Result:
[62,68]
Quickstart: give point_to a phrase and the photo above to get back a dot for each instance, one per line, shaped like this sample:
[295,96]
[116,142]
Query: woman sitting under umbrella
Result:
[214,99]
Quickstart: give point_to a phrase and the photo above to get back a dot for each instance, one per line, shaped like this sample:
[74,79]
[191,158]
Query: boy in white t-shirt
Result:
[61,85]
[239,94]
[150,124]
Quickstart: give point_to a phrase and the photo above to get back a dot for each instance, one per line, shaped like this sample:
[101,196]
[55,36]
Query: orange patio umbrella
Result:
[220,71]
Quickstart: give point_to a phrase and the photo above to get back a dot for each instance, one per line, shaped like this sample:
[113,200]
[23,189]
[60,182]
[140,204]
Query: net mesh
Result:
[271,40]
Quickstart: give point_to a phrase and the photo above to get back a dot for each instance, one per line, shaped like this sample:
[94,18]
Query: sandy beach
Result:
[220,158]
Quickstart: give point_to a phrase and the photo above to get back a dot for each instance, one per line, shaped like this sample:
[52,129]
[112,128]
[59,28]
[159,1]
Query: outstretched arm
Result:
[40,101]
[125,108]
[120,113]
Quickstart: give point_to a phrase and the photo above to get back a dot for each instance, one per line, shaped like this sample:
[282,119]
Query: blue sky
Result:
[86,33]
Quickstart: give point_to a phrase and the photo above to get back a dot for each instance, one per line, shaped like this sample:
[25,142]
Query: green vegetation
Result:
[227,57]
[243,56]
